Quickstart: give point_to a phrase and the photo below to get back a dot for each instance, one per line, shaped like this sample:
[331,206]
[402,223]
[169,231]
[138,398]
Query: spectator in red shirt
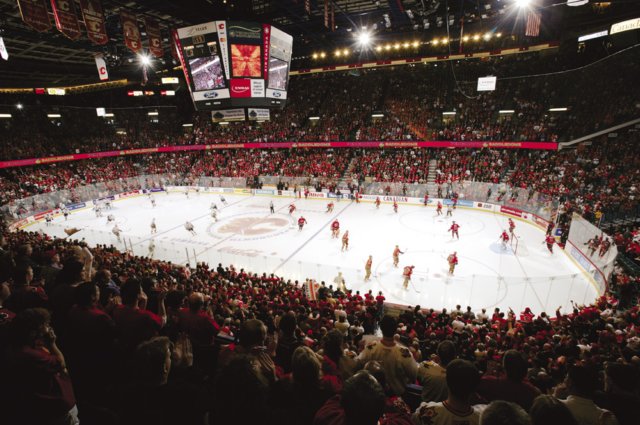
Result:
[40,388]
[197,323]
[513,386]
[135,324]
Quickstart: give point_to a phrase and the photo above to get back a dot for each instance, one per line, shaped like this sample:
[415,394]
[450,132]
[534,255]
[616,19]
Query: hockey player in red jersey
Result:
[426,199]
[549,240]
[292,208]
[330,207]
[406,273]
[395,207]
[396,256]
[454,230]
[504,238]
[512,227]
[301,222]
[377,202]
[335,229]
[452,259]
[439,208]
[345,241]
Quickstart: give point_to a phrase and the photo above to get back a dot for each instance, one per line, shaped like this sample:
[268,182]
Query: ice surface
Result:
[248,236]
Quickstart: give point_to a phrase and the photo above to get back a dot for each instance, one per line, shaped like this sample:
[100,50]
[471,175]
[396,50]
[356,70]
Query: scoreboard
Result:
[235,64]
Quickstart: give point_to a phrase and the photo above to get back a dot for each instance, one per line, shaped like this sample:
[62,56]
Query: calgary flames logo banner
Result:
[64,12]
[94,21]
[34,13]
[132,36]
[245,60]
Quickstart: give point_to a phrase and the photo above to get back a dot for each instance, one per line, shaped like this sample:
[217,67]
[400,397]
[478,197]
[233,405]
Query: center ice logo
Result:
[253,226]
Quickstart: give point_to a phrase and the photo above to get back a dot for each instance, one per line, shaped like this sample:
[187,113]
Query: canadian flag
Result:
[102,67]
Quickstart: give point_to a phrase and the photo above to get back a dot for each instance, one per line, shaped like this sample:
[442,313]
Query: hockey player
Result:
[271,207]
[450,208]
[65,213]
[345,241]
[454,230]
[214,215]
[604,247]
[504,238]
[335,229]
[593,245]
[367,268]
[189,226]
[396,256]
[98,209]
[154,228]
[48,219]
[549,229]
[426,199]
[452,259]
[152,248]
[339,281]
[395,207]
[186,192]
[110,219]
[330,207]
[306,193]
[213,206]
[357,197]
[107,204]
[377,202]
[224,201]
[301,222]
[116,231]
[153,201]
[549,240]
[439,208]
[512,227]
[406,274]
[292,208]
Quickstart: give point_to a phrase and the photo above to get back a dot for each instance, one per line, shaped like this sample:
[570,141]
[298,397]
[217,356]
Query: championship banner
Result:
[132,37]
[333,18]
[326,13]
[307,7]
[102,67]
[266,40]
[94,21]
[174,47]
[221,26]
[155,37]
[64,12]
[4,54]
[35,14]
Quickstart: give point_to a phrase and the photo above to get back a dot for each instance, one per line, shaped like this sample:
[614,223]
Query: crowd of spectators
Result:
[109,338]
[408,102]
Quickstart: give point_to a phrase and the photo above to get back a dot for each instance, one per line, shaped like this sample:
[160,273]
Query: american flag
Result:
[533,24]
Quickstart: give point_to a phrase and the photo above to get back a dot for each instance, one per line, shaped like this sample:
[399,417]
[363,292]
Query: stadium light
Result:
[506,111]
[338,53]
[145,60]
[498,34]
[152,114]
[108,115]
[378,115]
[19,106]
[364,38]
[465,38]
[445,40]
[223,123]
[487,36]
[449,113]
[558,109]
[54,115]
[406,45]
[5,115]
[415,44]
[345,52]
[187,125]
[378,48]
[314,56]
[323,55]
[522,3]
[476,37]
[314,118]
[435,41]
[387,47]
[396,46]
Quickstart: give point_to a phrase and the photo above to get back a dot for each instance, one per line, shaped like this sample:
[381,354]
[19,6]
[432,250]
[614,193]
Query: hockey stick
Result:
[414,287]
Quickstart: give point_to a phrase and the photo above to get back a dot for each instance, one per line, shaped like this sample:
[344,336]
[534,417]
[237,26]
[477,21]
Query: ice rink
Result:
[248,236]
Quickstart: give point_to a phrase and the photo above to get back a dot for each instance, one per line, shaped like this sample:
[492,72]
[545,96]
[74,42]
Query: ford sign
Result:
[277,94]
[210,95]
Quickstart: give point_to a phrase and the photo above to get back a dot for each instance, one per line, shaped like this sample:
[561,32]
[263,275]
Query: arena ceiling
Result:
[47,59]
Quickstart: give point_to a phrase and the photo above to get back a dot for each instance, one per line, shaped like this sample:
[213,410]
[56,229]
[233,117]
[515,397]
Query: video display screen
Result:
[207,73]
[245,61]
[278,73]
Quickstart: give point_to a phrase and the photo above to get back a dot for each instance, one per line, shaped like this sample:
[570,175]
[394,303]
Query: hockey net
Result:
[518,246]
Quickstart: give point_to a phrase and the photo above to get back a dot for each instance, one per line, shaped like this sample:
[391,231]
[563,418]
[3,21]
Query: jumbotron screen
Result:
[233,64]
